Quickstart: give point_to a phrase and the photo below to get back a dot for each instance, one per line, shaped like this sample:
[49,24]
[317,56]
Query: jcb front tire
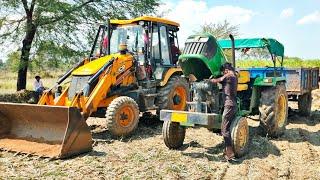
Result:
[240,136]
[174,95]
[274,110]
[304,104]
[122,116]
[173,134]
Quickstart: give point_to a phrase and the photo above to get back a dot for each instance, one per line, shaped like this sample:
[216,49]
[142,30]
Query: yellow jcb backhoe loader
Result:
[131,69]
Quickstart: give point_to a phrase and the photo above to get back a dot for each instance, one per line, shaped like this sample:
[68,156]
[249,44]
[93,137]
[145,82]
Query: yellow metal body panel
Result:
[145,18]
[92,67]
[244,77]
[242,87]
[168,75]
[179,117]
[120,73]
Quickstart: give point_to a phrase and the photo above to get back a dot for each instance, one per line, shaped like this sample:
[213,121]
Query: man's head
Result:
[226,68]
[37,78]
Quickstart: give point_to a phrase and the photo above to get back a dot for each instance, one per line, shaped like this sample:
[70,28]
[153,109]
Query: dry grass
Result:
[8,80]
[296,155]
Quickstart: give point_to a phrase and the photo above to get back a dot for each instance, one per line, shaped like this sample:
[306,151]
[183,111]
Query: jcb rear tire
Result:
[173,134]
[174,95]
[304,104]
[240,136]
[122,116]
[274,110]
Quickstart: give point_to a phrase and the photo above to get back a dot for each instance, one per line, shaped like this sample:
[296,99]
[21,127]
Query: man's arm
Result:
[218,80]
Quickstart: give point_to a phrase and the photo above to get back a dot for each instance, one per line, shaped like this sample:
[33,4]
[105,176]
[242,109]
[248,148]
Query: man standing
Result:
[229,83]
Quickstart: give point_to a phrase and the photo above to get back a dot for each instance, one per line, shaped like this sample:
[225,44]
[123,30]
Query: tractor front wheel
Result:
[122,116]
[274,110]
[173,134]
[240,136]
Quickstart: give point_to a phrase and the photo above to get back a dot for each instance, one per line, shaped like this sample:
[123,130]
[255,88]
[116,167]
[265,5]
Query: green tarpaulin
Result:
[273,45]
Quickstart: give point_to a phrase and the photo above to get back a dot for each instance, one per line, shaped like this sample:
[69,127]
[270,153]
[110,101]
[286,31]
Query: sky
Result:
[294,23]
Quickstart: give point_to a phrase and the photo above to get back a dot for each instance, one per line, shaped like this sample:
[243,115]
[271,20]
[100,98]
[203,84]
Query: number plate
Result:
[179,117]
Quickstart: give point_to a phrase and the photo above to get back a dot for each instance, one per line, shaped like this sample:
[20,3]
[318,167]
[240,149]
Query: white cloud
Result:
[191,14]
[286,13]
[310,18]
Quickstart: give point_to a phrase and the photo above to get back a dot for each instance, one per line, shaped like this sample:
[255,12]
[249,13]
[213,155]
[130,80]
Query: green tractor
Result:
[201,59]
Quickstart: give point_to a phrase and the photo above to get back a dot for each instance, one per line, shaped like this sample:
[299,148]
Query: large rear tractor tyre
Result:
[122,116]
[173,134]
[240,136]
[304,104]
[274,110]
[174,95]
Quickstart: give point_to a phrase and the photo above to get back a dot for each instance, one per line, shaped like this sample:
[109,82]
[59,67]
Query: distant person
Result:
[38,87]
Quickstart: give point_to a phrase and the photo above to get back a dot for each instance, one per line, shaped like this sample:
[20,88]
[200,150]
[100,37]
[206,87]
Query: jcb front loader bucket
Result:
[47,131]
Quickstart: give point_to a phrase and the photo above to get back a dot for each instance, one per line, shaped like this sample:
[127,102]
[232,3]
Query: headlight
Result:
[267,80]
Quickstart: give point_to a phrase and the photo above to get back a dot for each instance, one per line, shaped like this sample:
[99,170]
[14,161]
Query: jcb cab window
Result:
[160,46]
[164,46]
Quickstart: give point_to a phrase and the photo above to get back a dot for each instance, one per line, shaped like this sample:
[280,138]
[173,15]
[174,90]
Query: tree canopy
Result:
[55,29]
[221,30]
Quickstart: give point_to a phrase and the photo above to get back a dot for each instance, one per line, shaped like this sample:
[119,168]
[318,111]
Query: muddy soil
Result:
[295,155]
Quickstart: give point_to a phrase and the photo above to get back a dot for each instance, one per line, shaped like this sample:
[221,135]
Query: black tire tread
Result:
[114,128]
[267,110]
[305,103]
[234,135]
[173,134]
[164,92]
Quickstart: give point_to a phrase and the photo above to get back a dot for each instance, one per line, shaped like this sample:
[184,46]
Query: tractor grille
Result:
[208,49]
[194,48]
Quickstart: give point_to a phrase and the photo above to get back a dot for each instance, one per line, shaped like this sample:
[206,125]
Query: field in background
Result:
[8,80]
[287,62]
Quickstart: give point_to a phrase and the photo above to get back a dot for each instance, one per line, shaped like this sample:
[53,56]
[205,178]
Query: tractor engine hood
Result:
[93,66]
[202,57]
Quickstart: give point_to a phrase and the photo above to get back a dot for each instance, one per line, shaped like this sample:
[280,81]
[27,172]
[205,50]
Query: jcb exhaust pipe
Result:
[46,131]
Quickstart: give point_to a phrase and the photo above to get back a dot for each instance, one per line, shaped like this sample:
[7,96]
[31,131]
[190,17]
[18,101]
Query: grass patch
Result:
[287,62]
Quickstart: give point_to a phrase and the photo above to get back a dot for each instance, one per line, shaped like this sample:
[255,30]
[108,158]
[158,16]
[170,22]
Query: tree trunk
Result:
[25,53]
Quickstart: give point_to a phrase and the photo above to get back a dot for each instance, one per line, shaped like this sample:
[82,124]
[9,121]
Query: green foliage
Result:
[12,63]
[1,64]
[69,24]
[221,30]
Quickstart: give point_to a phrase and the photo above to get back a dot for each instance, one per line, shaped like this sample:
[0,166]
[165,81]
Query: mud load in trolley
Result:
[47,131]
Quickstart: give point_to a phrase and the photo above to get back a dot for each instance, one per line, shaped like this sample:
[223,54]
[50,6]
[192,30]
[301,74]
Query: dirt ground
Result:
[295,155]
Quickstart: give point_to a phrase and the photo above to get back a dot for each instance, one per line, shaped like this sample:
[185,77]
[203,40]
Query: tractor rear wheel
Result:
[240,136]
[122,116]
[304,104]
[173,134]
[274,110]
[174,94]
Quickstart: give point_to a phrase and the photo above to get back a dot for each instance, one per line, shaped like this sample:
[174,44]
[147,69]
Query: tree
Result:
[221,30]
[66,23]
